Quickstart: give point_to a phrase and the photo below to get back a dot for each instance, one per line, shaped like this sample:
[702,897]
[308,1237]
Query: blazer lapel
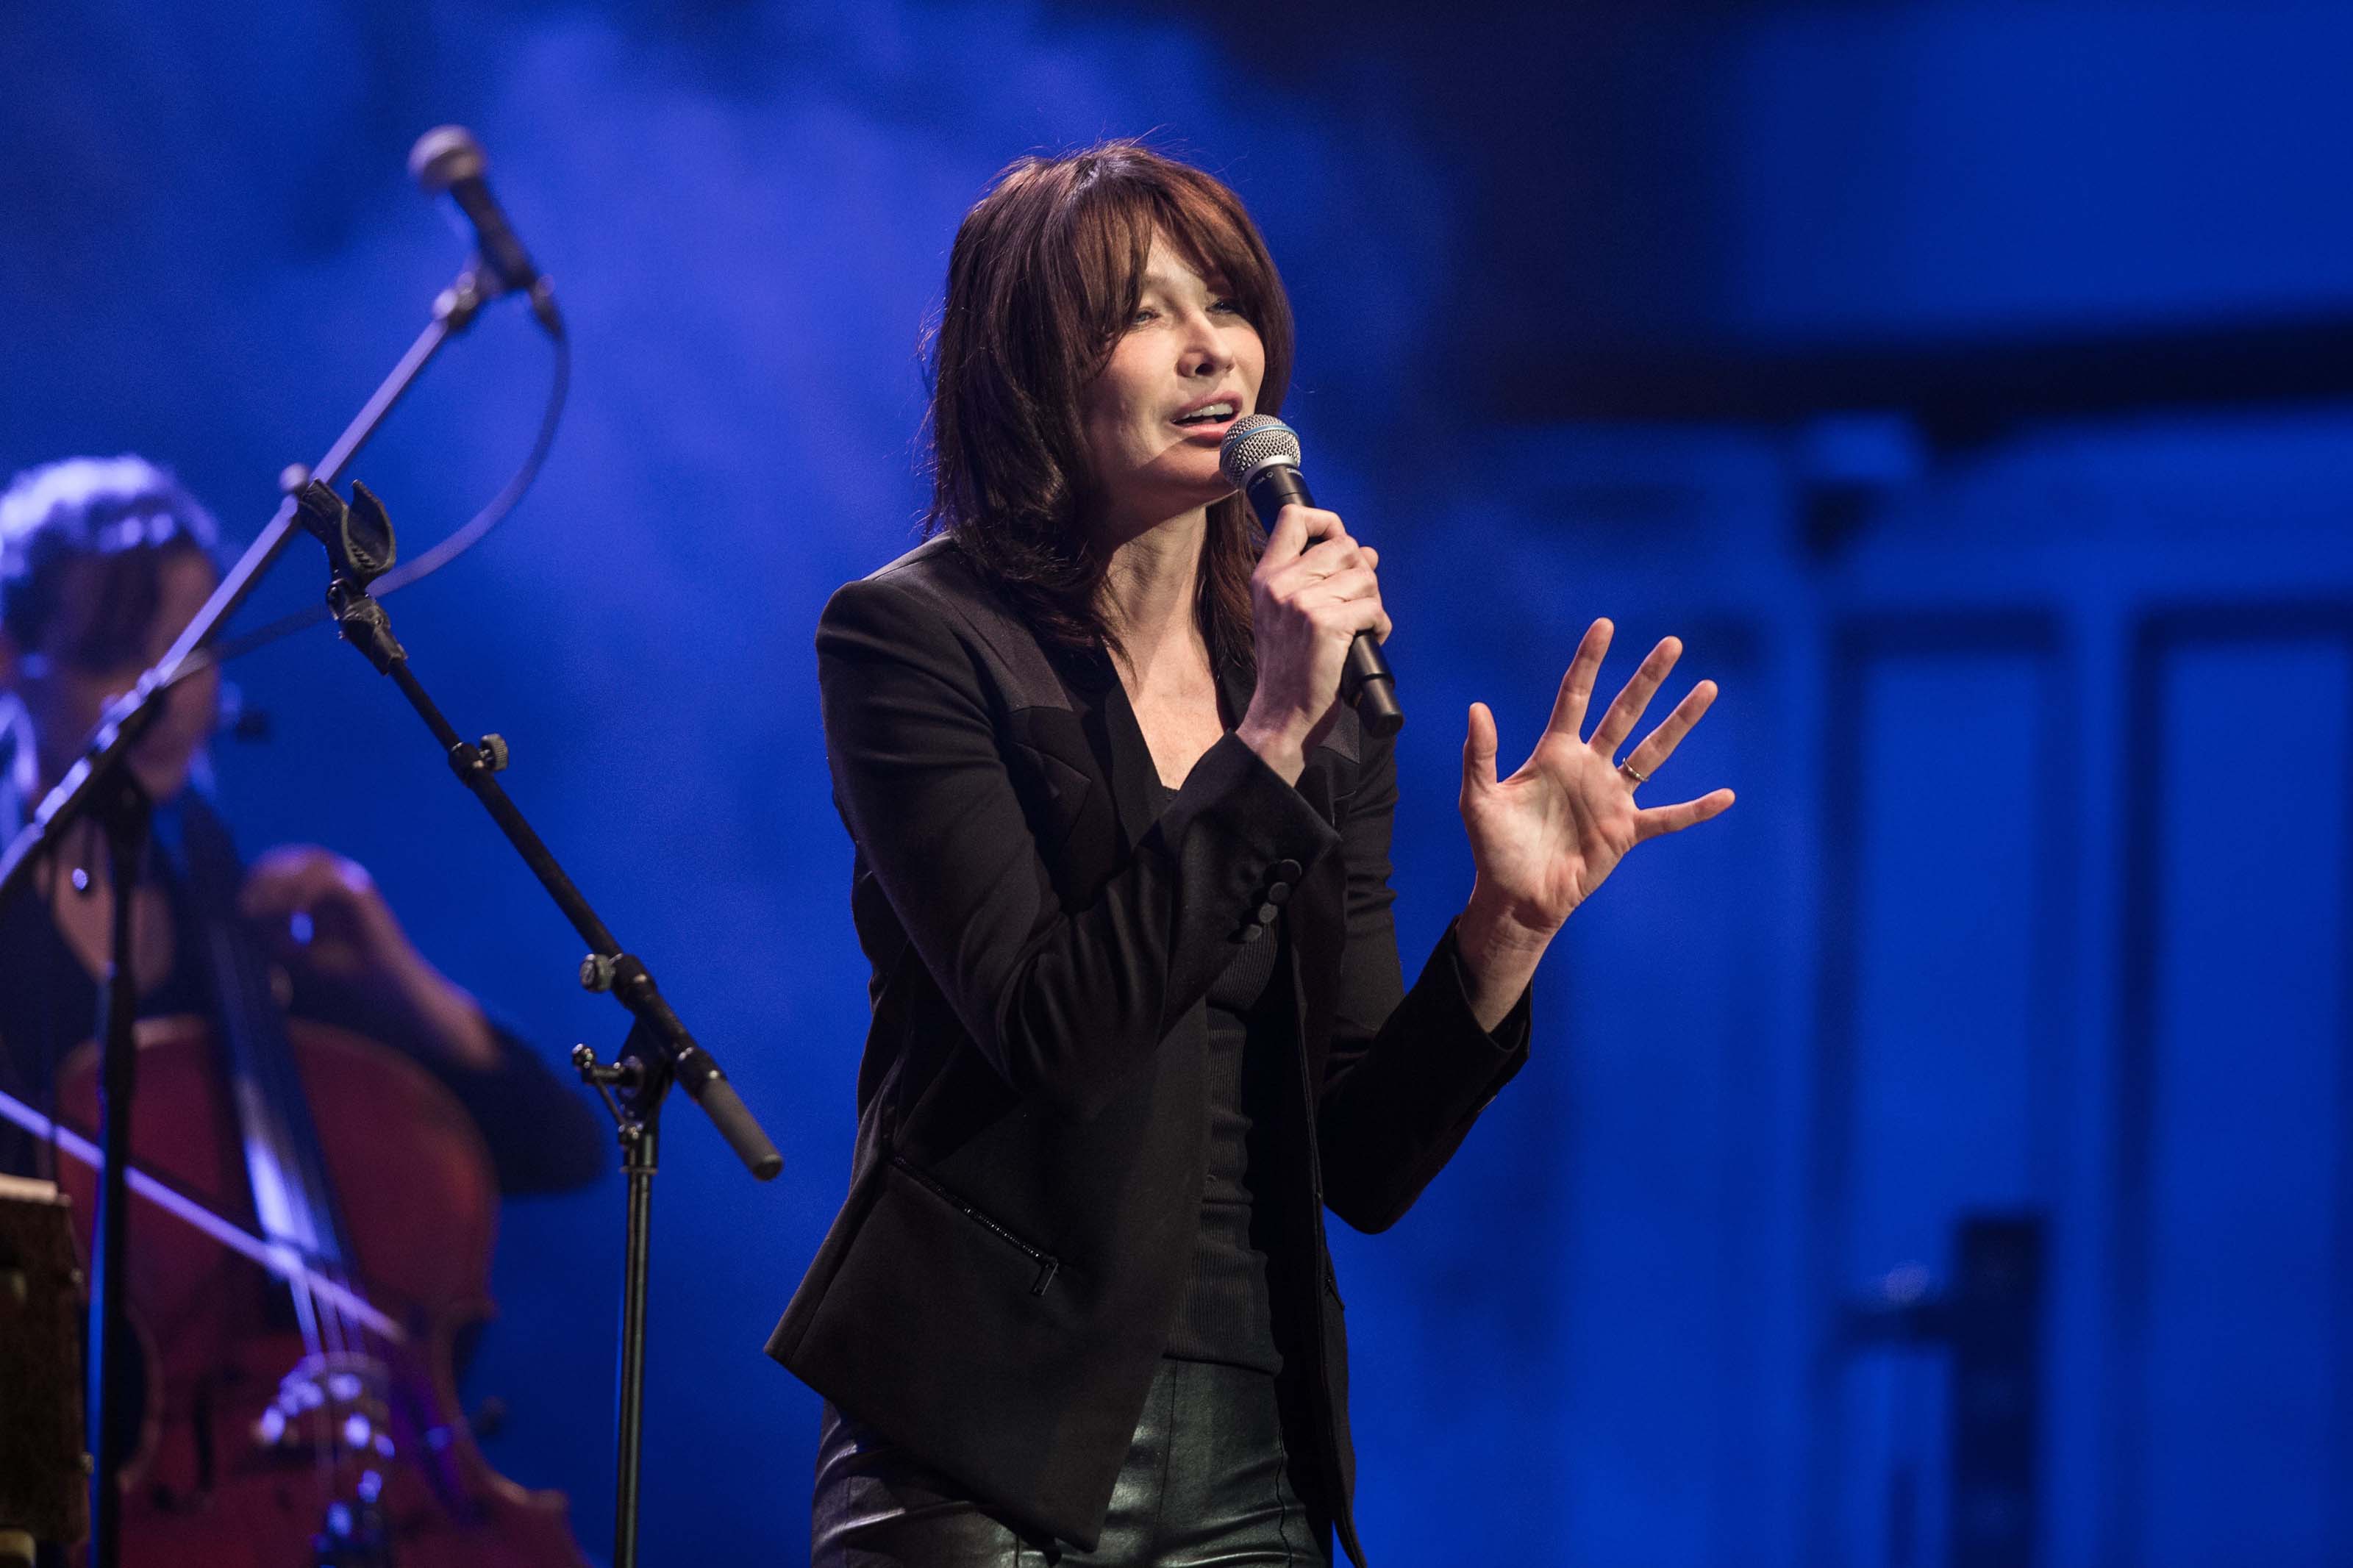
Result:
[1118,740]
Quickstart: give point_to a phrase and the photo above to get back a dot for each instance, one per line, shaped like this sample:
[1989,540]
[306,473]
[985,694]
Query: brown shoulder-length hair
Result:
[1045,276]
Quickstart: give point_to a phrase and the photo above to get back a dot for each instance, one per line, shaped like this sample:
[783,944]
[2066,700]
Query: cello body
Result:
[276,1440]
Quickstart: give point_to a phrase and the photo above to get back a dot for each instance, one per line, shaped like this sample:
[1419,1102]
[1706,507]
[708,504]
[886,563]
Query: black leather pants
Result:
[1209,1482]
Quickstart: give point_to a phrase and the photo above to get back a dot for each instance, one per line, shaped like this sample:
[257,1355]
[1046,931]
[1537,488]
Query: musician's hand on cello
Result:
[325,915]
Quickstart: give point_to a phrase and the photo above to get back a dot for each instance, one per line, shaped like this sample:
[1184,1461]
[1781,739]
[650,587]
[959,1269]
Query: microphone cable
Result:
[467,536]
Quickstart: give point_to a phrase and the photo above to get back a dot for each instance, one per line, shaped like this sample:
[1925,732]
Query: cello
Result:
[305,1412]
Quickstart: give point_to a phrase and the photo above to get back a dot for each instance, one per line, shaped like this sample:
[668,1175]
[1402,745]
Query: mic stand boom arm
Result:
[659,1050]
[360,617]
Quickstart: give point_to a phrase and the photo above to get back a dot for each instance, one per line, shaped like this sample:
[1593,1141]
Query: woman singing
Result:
[1122,874]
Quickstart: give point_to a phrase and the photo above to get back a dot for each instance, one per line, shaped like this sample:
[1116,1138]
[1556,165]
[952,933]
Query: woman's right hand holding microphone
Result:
[1315,589]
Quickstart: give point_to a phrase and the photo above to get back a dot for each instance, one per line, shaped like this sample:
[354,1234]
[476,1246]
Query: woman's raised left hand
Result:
[1546,838]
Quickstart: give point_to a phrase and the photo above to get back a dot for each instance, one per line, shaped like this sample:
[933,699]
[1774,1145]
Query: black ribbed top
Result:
[1226,1315]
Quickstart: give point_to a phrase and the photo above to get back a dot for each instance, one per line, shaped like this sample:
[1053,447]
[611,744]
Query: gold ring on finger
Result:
[1626,767]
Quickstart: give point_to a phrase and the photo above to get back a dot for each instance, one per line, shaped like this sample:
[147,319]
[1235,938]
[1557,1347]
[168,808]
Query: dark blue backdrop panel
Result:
[1947,1073]
[2247,1094]
[1946,1056]
[1933,1068]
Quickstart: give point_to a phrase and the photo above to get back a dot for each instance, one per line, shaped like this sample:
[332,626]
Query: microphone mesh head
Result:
[443,156]
[1252,443]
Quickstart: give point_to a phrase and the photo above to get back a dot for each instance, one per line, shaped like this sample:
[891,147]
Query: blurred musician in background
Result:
[102,564]
[284,1018]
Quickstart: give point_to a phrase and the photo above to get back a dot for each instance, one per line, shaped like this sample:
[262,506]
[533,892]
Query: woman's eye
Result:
[1143,313]
[1232,307]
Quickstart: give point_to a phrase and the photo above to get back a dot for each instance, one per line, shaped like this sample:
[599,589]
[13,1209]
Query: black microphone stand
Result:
[658,1052]
[126,817]
[100,784]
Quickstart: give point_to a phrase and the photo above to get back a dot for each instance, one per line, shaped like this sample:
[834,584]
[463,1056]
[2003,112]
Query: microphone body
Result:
[448,161]
[1269,474]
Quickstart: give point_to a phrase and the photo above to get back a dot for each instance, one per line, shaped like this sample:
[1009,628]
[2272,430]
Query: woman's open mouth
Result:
[1210,418]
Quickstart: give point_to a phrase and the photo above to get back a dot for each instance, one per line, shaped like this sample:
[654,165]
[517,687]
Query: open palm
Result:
[1546,838]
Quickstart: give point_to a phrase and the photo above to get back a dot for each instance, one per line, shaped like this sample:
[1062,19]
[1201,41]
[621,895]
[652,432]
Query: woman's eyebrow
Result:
[1168,281]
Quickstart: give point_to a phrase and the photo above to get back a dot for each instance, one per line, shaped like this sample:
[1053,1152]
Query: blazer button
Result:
[1284,871]
[1278,892]
[1266,913]
[1249,933]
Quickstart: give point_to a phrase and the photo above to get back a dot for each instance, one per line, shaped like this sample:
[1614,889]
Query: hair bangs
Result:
[1116,208]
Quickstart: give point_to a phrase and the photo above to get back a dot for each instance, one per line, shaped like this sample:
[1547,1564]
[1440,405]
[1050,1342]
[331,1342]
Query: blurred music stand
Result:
[44,1464]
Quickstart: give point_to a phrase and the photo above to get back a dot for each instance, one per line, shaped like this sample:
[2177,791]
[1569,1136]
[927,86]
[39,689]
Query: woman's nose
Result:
[1205,347]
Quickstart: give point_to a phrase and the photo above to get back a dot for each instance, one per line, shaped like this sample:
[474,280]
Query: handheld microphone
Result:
[1260,456]
[448,161]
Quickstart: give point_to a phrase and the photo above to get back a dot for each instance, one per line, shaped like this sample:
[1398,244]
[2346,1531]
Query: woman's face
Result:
[1187,366]
[65,697]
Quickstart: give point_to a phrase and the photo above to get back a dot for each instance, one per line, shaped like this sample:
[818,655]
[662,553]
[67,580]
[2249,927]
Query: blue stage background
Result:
[1970,384]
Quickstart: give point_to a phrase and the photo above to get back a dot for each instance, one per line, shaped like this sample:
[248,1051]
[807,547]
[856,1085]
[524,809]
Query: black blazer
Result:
[1001,1281]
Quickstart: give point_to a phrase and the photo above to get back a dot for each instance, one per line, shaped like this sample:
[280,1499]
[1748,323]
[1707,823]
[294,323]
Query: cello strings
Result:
[352,1378]
[358,1403]
[267,1170]
[271,1173]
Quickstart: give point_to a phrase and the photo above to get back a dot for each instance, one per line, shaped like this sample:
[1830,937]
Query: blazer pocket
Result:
[1041,1265]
